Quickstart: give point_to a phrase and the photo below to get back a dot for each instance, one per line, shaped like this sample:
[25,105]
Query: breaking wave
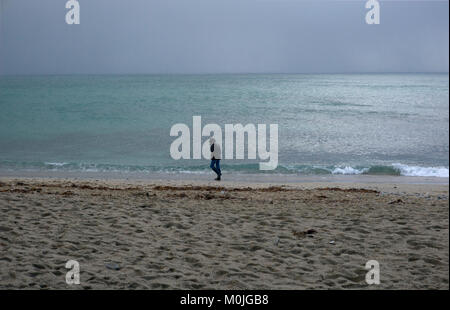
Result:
[392,169]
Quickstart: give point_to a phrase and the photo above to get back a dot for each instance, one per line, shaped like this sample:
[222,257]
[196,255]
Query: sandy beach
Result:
[204,235]
[224,145]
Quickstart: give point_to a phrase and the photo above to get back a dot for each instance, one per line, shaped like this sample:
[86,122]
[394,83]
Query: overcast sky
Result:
[222,36]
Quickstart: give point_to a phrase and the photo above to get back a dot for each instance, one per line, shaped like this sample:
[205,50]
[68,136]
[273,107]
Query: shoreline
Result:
[396,185]
[227,178]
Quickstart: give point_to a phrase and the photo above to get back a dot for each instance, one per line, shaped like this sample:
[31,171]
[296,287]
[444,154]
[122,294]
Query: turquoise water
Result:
[328,124]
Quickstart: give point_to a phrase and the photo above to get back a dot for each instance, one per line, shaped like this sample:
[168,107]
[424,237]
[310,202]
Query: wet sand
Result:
[168,234]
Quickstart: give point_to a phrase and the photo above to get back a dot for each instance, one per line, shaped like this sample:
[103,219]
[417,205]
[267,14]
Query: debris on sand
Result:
[321,196]
[396,201]
[302,234]
[349,190]
[112,266]
[269,189]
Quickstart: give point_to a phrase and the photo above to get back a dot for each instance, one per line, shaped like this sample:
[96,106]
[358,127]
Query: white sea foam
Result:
[417,171]
[56,164]
[392,169]
[348,170]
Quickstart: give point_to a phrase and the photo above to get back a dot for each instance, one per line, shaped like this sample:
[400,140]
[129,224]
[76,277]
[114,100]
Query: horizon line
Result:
[225,73]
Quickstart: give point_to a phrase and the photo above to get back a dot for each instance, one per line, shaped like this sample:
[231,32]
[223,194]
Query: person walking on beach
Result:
[215,158]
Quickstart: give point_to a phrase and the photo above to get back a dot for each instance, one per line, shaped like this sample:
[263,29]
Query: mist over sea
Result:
[384,124]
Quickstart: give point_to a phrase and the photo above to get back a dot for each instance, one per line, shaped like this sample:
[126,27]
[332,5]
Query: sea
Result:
[328,124]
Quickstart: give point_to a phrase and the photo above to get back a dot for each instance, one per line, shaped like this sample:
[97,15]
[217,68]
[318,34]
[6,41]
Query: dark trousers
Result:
[215,166]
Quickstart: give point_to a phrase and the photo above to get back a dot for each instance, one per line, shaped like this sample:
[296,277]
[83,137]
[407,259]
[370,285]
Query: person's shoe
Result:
[218,178]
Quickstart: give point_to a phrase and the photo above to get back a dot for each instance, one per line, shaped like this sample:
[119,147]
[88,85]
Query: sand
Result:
[204,235]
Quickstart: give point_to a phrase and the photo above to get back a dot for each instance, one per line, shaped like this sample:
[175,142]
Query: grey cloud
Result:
[208,36]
